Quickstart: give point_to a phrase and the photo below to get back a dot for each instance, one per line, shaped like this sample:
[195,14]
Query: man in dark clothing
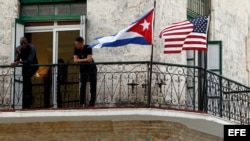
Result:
[26,55]
[88,70]
[62,72]
[61,79]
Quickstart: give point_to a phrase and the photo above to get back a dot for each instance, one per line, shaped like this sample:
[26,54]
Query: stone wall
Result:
[102,131]
[230,24]
[8,12]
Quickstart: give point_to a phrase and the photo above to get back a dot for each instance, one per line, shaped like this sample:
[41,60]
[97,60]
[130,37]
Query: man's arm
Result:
[17,58]
[88,59]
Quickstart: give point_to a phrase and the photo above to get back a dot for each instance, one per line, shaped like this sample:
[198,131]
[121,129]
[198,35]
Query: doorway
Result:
[47,53]
[53,42]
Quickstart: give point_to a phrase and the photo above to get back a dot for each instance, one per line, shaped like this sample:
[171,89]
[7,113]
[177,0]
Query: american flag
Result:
[186,35]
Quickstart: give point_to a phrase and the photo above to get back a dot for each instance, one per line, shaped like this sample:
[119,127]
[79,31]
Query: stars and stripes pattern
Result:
[186,35]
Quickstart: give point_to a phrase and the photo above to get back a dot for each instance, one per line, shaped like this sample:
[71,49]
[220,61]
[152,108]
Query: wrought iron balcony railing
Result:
[132,84]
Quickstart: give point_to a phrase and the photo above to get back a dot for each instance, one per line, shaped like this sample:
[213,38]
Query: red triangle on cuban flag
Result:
[144,26]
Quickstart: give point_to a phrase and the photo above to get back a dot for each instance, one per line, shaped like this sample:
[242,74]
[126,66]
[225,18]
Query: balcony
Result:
[132,89]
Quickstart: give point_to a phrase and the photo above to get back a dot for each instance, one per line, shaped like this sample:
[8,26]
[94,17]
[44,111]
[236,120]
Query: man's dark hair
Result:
[79,39]
[23,39]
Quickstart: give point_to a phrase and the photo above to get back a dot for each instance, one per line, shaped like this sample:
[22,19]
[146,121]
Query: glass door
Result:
[54,42]
[66,45]
[67,84]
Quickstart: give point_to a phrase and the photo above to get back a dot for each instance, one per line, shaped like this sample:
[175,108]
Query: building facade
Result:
[43,22]
[10,10]
[52,25]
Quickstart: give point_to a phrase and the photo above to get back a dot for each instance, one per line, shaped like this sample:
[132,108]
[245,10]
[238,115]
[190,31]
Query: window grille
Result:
[198,7]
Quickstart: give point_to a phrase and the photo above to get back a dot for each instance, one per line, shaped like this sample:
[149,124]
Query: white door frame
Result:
[16,94]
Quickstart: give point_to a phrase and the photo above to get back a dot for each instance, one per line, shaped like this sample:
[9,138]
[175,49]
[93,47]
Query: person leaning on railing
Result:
[26,55]
[88,70]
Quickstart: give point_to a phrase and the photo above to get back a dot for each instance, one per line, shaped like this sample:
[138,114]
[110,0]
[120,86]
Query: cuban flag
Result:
[139,32]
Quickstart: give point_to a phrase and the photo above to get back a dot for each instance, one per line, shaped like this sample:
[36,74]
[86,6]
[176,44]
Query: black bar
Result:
[236,132]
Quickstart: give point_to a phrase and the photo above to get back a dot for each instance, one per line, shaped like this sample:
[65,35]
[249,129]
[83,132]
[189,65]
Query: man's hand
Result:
[18,50]
[14,64]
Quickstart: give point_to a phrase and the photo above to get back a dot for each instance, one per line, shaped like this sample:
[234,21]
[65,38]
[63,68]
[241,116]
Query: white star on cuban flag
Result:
[145,25]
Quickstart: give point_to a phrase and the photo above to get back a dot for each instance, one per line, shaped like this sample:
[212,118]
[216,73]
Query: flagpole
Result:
[151,60]
[205,72]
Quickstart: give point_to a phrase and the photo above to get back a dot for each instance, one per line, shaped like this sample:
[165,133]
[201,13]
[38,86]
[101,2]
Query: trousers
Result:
[88,76]
[27,73]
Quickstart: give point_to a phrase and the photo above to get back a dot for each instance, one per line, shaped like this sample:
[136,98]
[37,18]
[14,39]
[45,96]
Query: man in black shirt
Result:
[26,55]
[88,70]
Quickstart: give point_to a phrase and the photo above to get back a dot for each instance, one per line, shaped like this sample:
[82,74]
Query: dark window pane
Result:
[68,22]
[47,23]
[62,9]
[46,10]
[78,9]
[30,10]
